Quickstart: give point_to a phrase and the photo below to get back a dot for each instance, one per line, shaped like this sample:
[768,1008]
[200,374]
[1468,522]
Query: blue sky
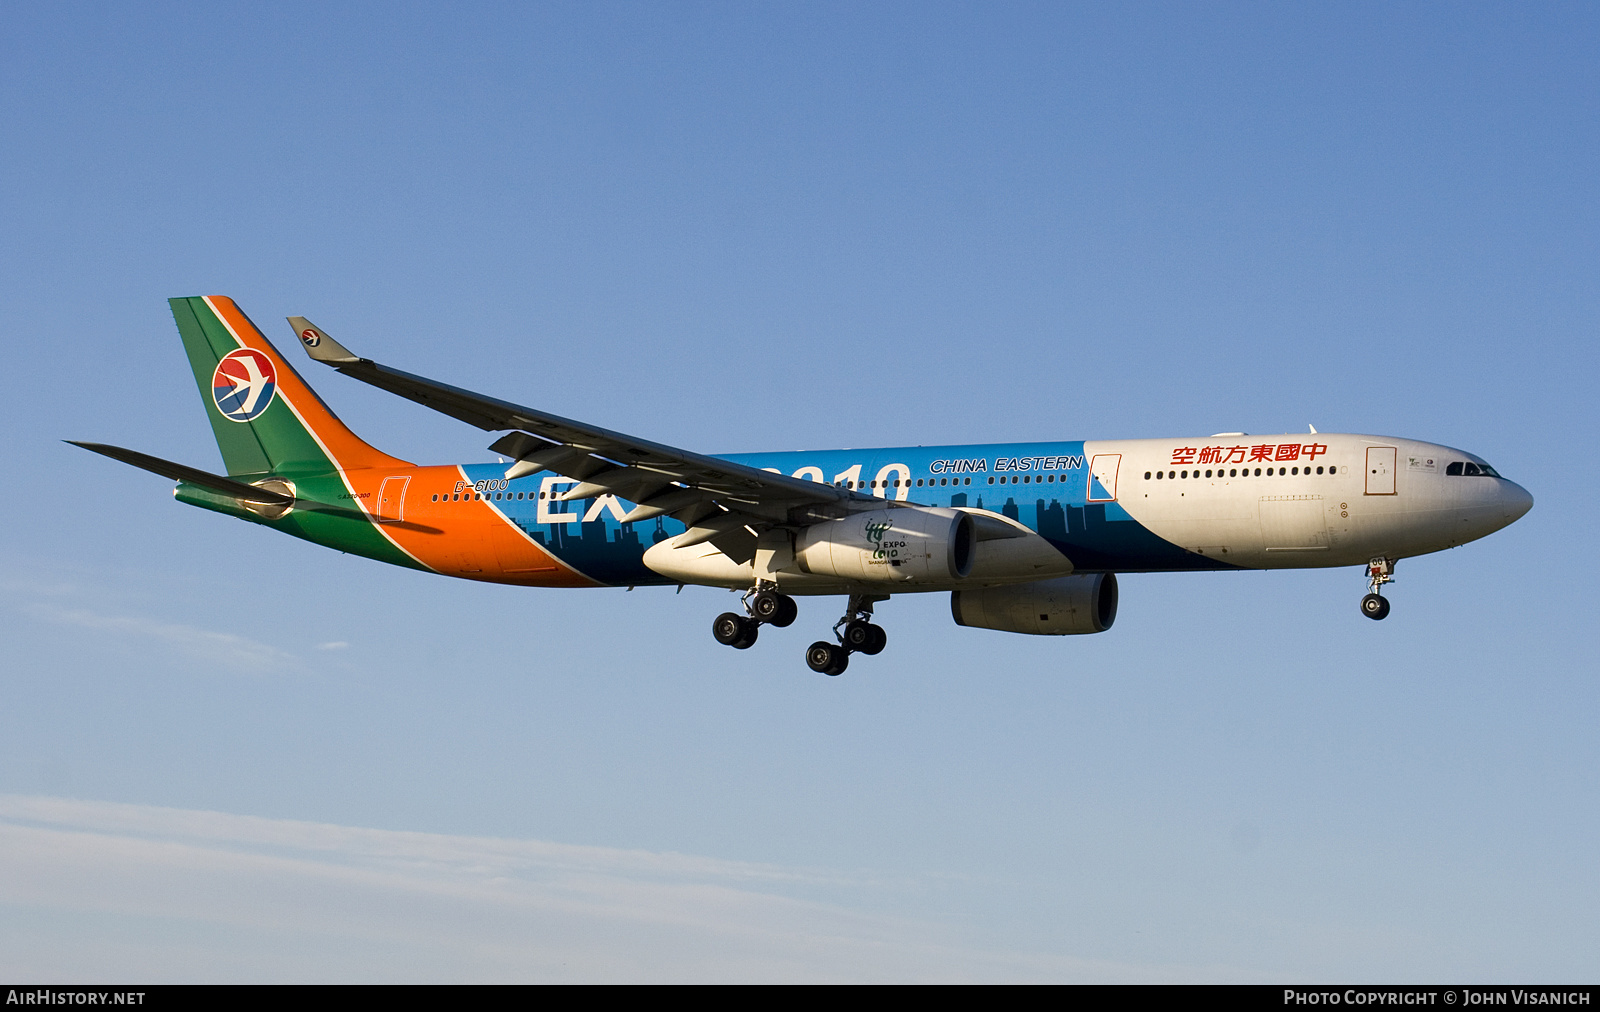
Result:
[228,755]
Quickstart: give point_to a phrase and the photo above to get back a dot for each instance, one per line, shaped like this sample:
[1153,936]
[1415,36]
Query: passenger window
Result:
[1333,470]
[1147,476]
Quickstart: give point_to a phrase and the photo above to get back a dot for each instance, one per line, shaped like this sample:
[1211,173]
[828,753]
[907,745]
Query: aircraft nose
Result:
[1515,500]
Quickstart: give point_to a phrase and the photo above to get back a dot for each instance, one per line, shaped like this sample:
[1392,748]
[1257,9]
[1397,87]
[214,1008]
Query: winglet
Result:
[319,345]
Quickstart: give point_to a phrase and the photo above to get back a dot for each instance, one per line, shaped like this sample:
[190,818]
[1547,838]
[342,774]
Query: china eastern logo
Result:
[243,385]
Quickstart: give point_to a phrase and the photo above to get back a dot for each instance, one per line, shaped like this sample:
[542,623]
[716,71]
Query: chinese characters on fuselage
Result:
[1247,454]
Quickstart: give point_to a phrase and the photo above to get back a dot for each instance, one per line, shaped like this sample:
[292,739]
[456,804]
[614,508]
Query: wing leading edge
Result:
[722,502]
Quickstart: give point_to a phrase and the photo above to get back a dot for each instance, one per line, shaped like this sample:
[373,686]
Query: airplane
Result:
[1025,537]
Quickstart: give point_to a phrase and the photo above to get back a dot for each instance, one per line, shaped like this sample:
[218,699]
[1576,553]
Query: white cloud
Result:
[225,649]
[96,889]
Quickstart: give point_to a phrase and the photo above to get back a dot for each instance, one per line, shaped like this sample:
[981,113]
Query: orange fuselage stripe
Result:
[467,539]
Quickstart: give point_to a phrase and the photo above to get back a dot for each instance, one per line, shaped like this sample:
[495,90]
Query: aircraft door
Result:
[392,500]
[1380,470]
[1103,477]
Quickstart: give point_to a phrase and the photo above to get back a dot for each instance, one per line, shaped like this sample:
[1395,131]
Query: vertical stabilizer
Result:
[265,417]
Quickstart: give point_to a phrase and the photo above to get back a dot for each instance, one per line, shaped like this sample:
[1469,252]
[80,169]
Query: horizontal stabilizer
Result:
[193,475]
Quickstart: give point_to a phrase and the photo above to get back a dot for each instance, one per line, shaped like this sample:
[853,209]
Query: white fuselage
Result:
[1359,498]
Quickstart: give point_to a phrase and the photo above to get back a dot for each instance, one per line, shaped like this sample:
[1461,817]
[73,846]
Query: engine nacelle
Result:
[1066,606]
[913,544]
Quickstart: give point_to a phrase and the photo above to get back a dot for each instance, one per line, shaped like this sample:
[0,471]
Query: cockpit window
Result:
[1467,467]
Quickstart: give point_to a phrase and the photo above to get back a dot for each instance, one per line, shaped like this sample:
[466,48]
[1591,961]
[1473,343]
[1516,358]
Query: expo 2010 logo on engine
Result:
[243,385]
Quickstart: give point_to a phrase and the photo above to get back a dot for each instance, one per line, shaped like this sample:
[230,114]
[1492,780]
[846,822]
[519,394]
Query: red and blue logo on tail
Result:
[243,385]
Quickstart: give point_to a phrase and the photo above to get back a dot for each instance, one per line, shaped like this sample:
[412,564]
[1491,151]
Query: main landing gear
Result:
[855,633]
[1379,572]
[764,605]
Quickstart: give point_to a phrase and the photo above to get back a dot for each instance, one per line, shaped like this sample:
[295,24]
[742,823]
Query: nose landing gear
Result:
[1379,572]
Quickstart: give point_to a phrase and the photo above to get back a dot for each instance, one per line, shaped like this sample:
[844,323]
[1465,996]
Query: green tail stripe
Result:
[276,441]
[348,532]
[242,452]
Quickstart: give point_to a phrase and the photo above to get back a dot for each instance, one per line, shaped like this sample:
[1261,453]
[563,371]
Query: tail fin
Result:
[265,417]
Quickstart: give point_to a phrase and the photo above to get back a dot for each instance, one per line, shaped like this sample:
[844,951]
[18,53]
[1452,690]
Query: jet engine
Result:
[1066,606]
[912,544]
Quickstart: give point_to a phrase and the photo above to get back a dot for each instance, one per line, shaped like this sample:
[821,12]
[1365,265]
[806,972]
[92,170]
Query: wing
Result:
[718,500]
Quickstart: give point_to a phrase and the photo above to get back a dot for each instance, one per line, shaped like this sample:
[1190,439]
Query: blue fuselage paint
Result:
[1045,486]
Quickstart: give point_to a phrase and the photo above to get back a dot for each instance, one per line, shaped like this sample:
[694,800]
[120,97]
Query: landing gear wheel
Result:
[734,630]
[876,641]
[787,613]
[1375,607]
[827,658]
[774,608]
[858,636]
